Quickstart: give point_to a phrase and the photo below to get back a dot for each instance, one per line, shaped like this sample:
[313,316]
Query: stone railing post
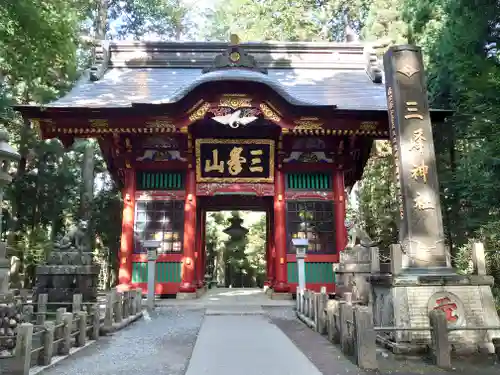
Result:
[322,315]
[440,342]
[82,329]
[41,309]
[23,348]
[131,302]
[365,344]
[374,260]
[119,307]
[297,299]
[312,305]
[303,302]
[332,313]
[67,329]
[77,303]
[396,259]
[28,313]
[126,304]
[59,332]
[478,259]
[48,344]
[109,313]
[139,300]
[344,329]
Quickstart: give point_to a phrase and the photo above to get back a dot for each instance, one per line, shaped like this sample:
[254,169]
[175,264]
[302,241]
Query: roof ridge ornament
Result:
[235,57]
[101,61]
[374,66]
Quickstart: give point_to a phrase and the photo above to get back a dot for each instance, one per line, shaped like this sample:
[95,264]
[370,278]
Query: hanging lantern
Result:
[235,229]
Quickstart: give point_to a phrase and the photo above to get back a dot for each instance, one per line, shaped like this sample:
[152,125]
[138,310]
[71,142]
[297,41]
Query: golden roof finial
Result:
[234,39]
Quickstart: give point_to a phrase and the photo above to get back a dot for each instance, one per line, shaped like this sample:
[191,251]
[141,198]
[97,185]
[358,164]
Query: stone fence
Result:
[350,325]
[46,334]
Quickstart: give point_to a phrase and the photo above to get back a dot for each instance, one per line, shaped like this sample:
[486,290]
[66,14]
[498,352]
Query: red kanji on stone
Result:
[448,307]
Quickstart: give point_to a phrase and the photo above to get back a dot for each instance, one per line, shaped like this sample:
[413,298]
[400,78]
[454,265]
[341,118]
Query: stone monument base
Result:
[61,282]
[406,300]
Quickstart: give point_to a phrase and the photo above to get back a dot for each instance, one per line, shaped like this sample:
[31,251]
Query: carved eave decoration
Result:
[235,57]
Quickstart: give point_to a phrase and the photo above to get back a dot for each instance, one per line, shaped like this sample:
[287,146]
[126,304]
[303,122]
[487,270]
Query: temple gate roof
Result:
[346,75]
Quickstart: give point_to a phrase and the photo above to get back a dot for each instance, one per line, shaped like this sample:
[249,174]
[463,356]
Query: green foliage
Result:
[378,206]
[285,20]
[167,19]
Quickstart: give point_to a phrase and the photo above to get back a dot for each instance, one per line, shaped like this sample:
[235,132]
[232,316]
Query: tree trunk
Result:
[16,203]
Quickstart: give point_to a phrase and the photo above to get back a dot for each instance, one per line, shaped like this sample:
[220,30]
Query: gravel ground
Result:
[161,345]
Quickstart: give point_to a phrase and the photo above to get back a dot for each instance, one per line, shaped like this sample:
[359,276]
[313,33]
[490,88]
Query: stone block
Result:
[406,300]
[365,338]
[440,344]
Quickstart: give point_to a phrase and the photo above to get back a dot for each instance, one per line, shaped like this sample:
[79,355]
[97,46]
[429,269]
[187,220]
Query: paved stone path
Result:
[246,345]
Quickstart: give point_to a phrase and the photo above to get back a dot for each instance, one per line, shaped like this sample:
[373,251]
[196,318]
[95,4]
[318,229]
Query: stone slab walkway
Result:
[246,345]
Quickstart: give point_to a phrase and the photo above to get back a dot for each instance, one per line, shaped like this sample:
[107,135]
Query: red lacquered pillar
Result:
[188,266]
[127,237]
[339,208]
[281,284]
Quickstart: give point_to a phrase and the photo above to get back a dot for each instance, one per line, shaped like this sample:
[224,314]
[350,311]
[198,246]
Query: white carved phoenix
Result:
[234,120]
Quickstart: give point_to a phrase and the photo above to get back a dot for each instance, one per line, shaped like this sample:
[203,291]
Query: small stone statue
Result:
[74,240]
[357,235]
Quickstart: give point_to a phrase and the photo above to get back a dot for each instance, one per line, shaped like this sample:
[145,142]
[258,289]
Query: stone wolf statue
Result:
[75,239]
[356,235]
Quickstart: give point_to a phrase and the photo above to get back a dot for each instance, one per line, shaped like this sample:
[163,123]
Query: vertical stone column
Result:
[200,249]
[339,211]
[280,235]
[127,238]
[421,229]
[188,265]
[269,251]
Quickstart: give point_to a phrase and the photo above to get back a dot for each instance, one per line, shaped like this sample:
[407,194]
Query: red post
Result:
[127,238]
[339,208]
[200,250]
[188,261]
[280,237]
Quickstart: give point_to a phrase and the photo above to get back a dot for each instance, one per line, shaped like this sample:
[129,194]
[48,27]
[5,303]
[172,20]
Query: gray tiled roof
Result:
[326,74]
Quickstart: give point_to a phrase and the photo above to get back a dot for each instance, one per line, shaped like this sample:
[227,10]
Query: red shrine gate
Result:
[186,126]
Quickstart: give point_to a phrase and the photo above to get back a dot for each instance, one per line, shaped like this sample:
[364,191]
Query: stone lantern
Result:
[7,156]
[235,229]
[10,310]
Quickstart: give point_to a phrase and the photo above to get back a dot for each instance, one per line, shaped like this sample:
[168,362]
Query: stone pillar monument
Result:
[10,311]
[422,278]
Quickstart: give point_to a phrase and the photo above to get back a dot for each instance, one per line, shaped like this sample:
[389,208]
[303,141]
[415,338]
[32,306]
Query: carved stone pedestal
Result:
[356,264]
[405,301]
[61,282]
[69,270]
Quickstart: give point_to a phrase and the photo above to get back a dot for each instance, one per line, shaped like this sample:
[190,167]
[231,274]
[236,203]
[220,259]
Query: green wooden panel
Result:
[309,181]
[160,181]
[317,273]
[166,272]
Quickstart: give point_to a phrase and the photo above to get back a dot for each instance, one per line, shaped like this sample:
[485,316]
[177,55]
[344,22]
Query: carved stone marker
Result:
[421,230]
[422,280]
